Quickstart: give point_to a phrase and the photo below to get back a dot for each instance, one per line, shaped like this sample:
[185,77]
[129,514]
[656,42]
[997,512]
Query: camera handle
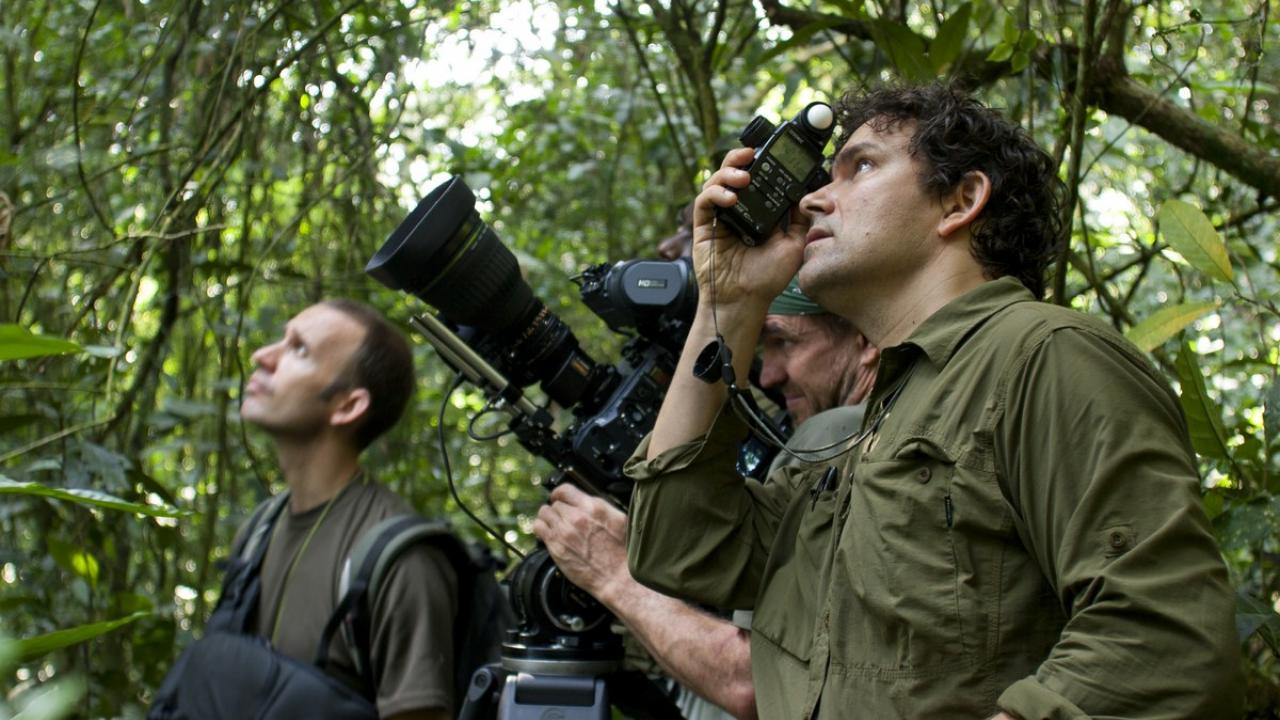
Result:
[498,694]
[531,423]
[478,371]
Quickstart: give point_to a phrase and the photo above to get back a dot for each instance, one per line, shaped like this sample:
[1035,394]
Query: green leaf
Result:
[31,648]
[1254,615]
[948,43]
[904,48]
[1244,526]
[849,8]
[16,343]
[799,38]
[52,701]
[8,653]
[1213,503]
[1010,32]
[1165,323]
[1188,231]
[84,496]
[1019,61]
[1271,415]
[75,560]
[1000,52]
[1204,418]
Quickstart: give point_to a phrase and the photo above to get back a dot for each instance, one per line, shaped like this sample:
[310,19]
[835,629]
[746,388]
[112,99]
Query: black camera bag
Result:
[233,674]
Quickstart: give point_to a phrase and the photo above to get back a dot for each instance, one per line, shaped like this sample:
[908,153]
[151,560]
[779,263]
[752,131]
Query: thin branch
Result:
[75,120]
[1079,115]
[1113,91]
[679,143]
[65,432]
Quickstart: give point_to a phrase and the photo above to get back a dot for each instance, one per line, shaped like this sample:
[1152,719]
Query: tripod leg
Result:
[481,702]
[640,698]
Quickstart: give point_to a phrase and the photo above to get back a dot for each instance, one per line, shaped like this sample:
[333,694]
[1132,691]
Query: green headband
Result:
[793,301]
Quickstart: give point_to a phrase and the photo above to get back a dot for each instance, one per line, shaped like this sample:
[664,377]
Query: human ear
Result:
[353,406]
[963,203]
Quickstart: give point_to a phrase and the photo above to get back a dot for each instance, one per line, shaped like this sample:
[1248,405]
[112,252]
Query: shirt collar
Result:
[942,333]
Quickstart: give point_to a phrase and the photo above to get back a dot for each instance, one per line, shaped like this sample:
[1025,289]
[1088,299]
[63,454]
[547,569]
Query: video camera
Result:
[495,332]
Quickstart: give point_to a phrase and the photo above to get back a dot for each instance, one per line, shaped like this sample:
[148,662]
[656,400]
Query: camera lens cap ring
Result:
[709,367]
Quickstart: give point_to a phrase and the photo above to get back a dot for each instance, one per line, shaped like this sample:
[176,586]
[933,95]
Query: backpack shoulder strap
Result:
[238,601]
[362,577]
[253,546]
[378,548]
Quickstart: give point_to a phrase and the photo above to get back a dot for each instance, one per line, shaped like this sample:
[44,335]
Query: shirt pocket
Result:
[897,566]
[786,609]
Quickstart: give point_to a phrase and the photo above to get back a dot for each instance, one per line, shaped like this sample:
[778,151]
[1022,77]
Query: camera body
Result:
[787,166]
[492,329]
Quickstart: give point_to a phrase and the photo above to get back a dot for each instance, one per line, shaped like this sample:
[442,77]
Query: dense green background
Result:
[178,177]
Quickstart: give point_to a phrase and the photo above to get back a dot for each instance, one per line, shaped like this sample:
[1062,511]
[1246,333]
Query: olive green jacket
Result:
[1022,532]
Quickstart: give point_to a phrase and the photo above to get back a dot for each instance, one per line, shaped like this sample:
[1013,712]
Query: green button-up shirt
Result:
[1023,531]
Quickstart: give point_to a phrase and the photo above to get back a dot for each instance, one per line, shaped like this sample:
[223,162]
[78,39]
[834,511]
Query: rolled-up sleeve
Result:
[1107,494]
[696,529]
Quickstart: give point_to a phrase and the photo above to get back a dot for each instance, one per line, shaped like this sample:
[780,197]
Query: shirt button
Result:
[924,474]
[1117,539]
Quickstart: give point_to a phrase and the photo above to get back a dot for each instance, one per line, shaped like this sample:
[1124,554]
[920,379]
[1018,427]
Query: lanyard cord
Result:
[297,556]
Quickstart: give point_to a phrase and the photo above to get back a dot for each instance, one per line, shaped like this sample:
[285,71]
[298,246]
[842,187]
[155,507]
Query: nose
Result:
[265,357]
[773,371]
[817,202]
[675,246]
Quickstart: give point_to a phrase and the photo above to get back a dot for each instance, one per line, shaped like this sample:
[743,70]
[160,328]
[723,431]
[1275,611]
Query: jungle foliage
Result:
[177,177]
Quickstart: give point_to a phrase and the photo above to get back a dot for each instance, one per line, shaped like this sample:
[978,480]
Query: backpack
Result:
[231,673]
[484,613]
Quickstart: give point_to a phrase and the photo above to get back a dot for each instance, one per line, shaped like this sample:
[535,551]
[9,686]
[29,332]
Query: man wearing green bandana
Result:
[818,361]
[815,359]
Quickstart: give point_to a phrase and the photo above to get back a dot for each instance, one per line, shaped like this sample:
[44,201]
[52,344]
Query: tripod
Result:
[497,692]
[562,662]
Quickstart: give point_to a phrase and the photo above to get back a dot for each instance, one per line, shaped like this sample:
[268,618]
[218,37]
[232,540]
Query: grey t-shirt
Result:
[411,627]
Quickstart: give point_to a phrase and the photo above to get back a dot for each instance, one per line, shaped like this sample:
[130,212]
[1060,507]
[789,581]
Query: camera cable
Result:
[448,471]
[471,424]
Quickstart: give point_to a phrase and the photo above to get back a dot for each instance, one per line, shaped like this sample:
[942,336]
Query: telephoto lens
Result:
[447,256]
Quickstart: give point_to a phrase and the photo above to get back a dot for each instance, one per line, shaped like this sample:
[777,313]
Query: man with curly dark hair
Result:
[1016,531]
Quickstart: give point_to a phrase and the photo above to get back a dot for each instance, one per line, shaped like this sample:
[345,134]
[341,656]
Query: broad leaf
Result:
[1255,616]
[84,496]
[31,648]
[1188,231]
[8,653]
[1010,31]
[1000,53]
[904,48]
[1166,323]
[1244,526]
[1204,418]
[16,343]
[1019,61]
[849,8]
[53,700]
[799,38]
[75,559]
[948,43]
